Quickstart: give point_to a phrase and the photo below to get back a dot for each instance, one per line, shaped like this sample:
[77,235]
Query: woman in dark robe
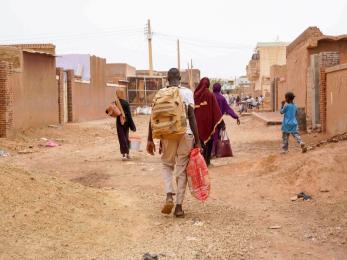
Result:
[208,116]
[124,123]
[225,109]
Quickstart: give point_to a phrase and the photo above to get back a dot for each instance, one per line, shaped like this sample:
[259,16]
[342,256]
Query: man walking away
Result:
[175,150]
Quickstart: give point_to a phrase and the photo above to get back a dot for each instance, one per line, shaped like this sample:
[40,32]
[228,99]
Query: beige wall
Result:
[269,56]
[35,100]
[336,100]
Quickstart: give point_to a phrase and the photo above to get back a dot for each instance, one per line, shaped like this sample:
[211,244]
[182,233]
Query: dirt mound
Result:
[53,219]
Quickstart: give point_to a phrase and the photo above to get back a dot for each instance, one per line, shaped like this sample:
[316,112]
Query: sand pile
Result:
[48,218]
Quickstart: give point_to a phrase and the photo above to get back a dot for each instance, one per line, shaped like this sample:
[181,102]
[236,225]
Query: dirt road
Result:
[80,201]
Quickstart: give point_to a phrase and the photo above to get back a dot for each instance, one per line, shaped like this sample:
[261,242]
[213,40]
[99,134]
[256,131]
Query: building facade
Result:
[266,54]
[307,58]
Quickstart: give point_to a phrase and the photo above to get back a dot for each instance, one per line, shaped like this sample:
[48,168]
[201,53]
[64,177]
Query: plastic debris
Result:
[4,153]
[304,196]
[144,110]
[49,143]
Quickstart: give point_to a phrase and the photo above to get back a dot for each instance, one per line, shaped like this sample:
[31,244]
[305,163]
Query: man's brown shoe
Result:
[179,213]
[168,206]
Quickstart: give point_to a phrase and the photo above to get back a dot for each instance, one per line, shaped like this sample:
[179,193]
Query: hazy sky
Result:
[219,35]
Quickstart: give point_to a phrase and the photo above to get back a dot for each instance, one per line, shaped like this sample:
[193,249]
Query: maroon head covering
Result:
[207,111]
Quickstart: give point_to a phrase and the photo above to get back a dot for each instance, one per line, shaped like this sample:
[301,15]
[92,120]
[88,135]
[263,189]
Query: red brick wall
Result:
[336,96]
[6,99]
[326,60]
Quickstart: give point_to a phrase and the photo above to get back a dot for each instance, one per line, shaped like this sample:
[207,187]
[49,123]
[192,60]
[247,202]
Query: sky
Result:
[219,36]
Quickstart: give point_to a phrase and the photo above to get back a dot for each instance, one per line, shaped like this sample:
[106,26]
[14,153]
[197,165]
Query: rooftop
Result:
[271,44]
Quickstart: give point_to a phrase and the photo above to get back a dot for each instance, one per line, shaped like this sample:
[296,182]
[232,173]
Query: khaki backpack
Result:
[169,116]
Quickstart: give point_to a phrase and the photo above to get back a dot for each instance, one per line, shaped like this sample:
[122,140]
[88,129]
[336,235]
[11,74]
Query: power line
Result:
[208,44]
[53,37]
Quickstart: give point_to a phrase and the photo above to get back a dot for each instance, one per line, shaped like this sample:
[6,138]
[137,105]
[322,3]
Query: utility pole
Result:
[178,55]
[191,75]
[149,38]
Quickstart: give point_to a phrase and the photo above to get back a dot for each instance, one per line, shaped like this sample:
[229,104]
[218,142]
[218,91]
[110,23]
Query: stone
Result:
[275,227]
[294,198]
[149,256]
[188,238]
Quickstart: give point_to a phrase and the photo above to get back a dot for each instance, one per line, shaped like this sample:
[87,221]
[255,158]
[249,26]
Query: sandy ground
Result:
[80,201]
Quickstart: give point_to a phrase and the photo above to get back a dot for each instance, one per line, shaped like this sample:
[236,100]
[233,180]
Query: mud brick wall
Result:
[39,47]
[35,98]
[88,100]
[336,105]
[70,85]
[326,60]
[60,83]
[6,99]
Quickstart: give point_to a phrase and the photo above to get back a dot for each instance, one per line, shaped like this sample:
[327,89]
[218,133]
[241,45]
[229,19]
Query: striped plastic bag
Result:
[197,174]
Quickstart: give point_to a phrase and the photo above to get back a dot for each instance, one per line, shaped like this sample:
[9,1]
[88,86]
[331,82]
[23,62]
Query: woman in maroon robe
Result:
[208,116]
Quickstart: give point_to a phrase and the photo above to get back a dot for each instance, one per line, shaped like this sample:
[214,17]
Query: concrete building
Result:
[307,58]
[266,54]
[28,89]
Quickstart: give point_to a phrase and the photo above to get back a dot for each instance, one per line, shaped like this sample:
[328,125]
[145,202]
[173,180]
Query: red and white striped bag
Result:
[197,174]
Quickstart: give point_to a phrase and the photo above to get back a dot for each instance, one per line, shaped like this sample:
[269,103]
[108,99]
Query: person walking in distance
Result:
[208,116]
[226,110]
[175,147]
[289,123]
[124,122]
